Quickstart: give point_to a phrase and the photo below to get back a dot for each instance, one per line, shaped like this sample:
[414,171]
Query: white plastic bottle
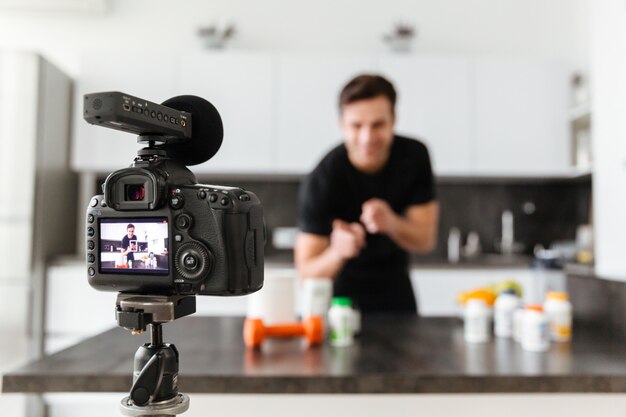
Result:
[535,336]
[505,306]
[477,317]
[558,309]
[340,321]
[518,322]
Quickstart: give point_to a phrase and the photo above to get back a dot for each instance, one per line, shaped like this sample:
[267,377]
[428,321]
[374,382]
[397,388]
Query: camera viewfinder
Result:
[135,192]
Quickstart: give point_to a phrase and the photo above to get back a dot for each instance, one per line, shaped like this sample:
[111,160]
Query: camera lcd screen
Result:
[134,245]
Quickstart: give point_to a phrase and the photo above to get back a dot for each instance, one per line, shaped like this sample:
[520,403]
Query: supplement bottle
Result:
[340,321]
[477,317]
[505,306]
[535,336]
[558,309]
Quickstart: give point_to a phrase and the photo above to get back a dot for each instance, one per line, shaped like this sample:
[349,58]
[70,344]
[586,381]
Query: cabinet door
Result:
[240,87]
[152,77]
[307,109]
[434,105]
[521,116]
[609,136]
[437,289]
[19,112]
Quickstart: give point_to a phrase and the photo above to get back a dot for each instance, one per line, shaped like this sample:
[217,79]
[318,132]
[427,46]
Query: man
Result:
[367,204]
[129,243]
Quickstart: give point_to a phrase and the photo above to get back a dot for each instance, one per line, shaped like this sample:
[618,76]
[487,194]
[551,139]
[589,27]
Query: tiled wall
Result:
[469,204]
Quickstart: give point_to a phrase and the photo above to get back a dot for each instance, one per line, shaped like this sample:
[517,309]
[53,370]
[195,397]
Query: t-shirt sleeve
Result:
[424,185]
[314,214]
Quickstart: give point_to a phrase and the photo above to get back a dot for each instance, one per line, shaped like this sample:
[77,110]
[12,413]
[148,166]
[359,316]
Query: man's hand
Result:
[347,239]
[377,216]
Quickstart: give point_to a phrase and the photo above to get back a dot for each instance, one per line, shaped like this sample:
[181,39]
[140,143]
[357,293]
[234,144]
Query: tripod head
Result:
[155,377]
[135,312]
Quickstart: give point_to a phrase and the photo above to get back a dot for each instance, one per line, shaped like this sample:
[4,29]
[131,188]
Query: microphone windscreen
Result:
[207,131]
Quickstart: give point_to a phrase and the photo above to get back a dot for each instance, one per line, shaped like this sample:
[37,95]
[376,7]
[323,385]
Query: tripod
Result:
[155,377]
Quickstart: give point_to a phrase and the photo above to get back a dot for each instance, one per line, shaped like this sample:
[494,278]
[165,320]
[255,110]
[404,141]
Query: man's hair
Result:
[367,86]
[130,225]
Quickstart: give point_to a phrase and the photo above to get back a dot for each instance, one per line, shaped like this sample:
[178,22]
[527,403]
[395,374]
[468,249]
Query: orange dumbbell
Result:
[311,328]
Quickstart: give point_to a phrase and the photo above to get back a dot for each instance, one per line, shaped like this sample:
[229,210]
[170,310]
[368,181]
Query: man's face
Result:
[367,127]
[131,232]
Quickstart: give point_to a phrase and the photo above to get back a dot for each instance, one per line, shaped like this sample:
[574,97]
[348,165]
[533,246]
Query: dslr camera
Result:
[155,230]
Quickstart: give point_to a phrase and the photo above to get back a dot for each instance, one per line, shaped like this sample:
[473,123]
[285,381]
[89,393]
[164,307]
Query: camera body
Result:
[155,230]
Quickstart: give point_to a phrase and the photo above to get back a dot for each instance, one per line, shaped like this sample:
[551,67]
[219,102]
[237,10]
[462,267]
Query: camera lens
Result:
[135,192]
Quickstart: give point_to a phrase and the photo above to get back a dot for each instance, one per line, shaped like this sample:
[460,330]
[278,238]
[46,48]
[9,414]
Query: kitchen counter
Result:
[394,354]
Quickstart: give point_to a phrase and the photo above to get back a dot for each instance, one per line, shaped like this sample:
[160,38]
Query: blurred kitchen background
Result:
[520,102]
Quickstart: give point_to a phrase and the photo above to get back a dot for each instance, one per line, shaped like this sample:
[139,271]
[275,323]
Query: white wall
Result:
[538,28]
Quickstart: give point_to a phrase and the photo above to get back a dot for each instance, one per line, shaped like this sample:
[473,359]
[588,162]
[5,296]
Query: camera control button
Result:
[193,261]
[183,221]
[92,272]
[90,218]
[244,197]
[90,232]
[224,201]
[184,288]
[178,238]
[213,198]
[91,245]
[201,194]
[94,202]
[91,258]
[176,201]
[190,261]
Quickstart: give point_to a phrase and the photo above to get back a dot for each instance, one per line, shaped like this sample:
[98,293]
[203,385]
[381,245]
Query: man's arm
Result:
[123,249]
[415,232]
[318,256]
[314,258]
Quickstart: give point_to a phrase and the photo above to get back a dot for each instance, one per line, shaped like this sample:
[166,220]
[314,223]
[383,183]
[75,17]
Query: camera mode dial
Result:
[193,261]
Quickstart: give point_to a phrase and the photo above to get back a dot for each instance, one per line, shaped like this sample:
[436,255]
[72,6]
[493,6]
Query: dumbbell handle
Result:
[285,330]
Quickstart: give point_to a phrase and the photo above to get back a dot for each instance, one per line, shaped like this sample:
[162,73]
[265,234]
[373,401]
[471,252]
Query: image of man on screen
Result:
[128,241]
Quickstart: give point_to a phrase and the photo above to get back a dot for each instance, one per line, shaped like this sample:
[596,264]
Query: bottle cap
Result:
[489,297]
[534,307]
[556,295]
[476,302]
[342,301]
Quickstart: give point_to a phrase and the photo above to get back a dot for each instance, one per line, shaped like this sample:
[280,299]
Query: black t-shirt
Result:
[126,243]
[377,279]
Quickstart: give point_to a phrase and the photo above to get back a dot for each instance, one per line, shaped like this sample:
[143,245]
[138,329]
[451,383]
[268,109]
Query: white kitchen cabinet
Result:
[240,86]
[38,200]
[356,405]
[72,316]
[609,135]
[479,116]
[19,89]
[64,327]
[437,289]
[520,116]
[307,114]
[435,105]
[34,114]
[152,77]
